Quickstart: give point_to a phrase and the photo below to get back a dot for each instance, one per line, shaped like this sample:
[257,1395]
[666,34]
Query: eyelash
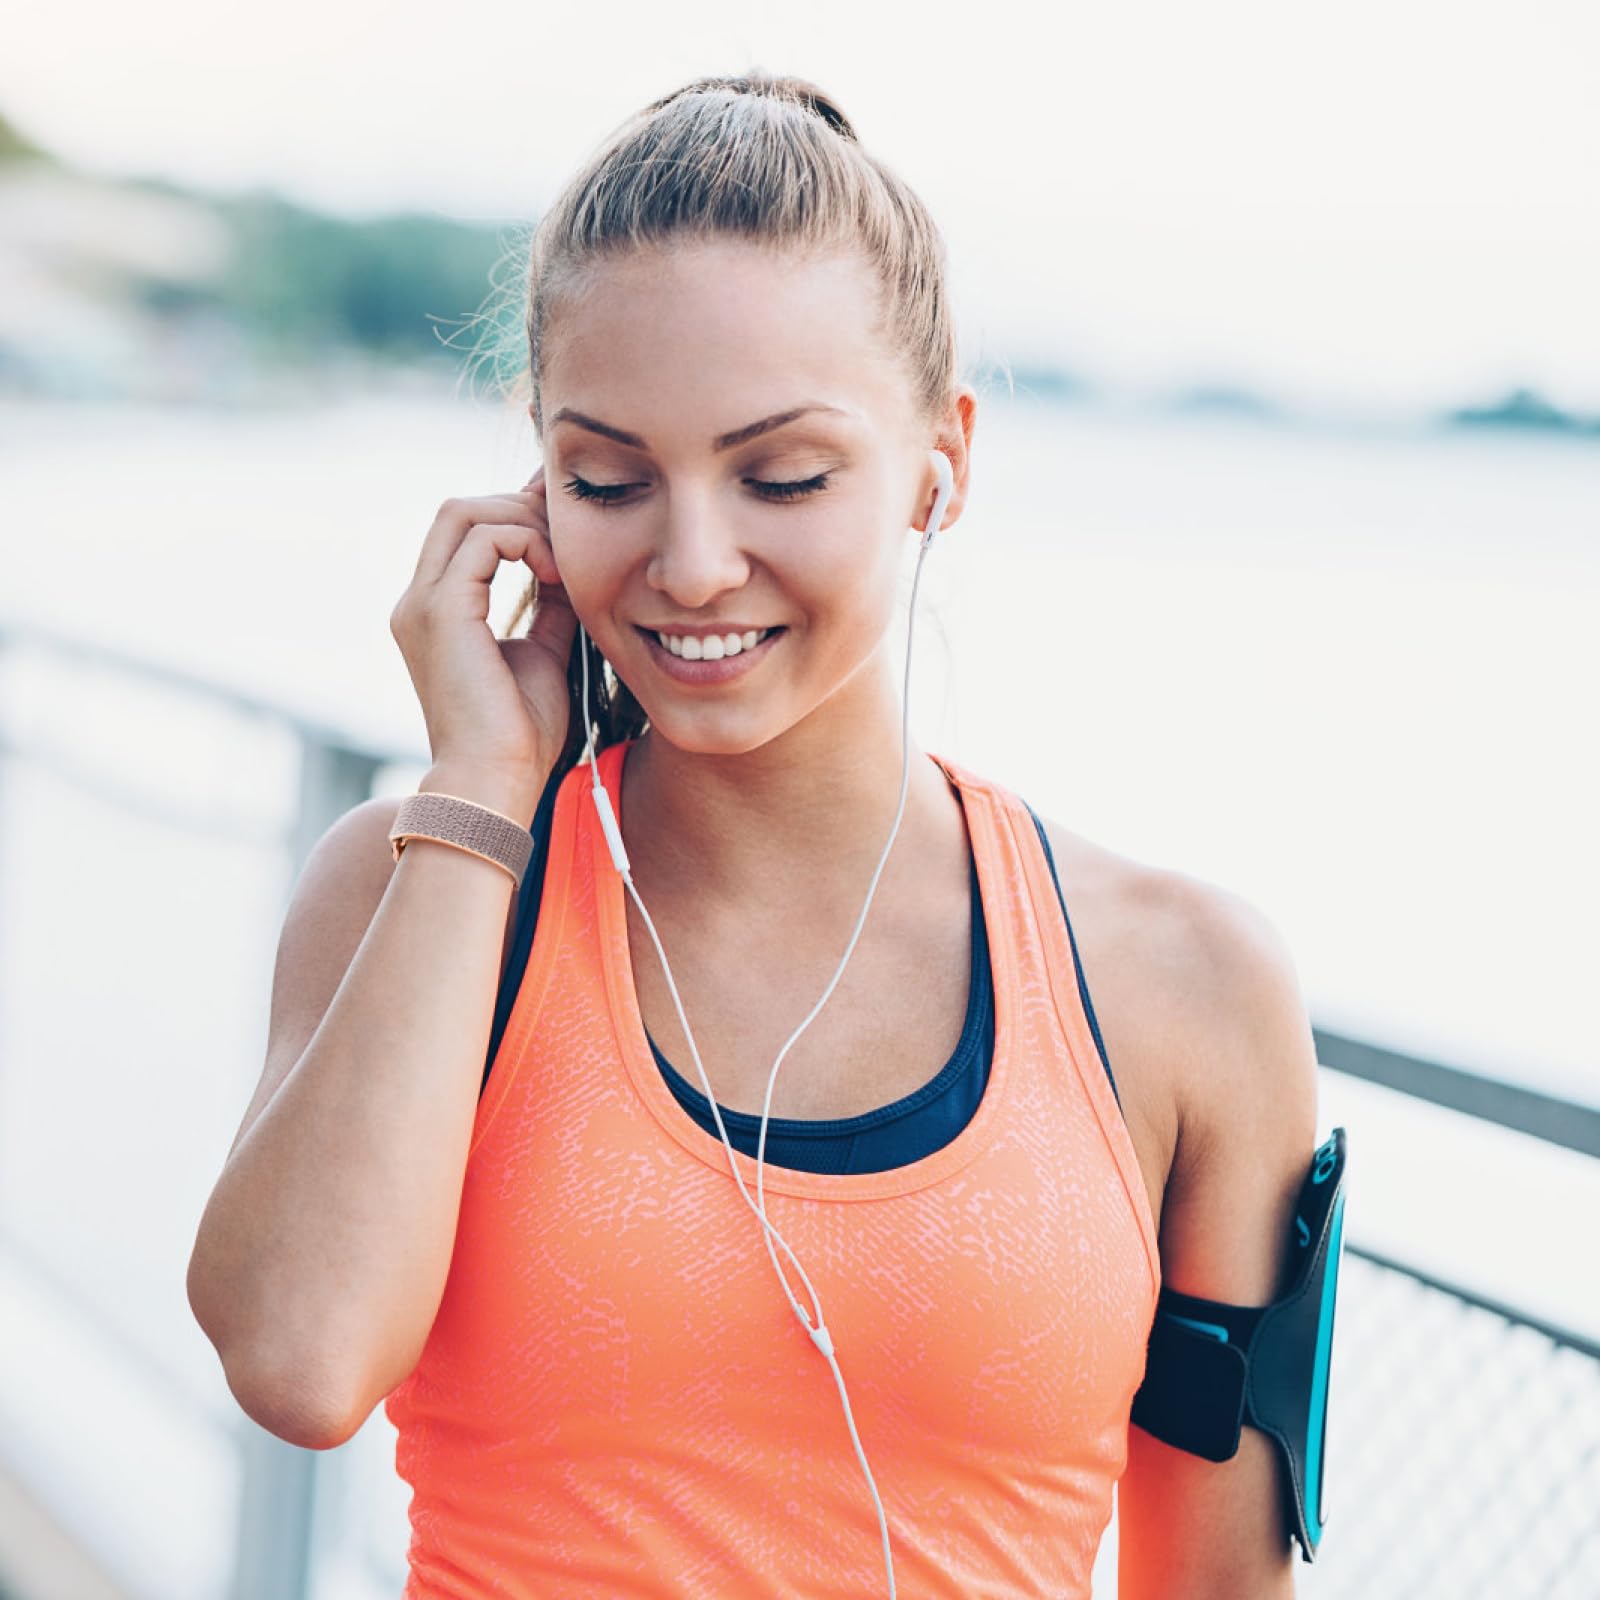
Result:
[608,494]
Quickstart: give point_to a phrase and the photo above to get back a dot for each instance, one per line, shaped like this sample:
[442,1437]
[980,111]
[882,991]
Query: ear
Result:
[954,438]
[541,550]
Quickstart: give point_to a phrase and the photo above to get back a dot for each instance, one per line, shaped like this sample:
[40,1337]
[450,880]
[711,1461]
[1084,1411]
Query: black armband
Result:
[1212,1367]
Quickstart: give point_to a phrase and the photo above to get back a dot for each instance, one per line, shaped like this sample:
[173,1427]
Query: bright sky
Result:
[1380,205]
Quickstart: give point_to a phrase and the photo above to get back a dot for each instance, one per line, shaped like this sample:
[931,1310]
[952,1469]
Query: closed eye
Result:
[606,494]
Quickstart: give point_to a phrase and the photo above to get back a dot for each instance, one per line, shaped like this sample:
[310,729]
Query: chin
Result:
[715,732]
[703,741]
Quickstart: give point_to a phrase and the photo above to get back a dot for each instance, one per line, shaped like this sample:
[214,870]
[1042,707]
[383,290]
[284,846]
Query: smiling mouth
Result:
[710,647]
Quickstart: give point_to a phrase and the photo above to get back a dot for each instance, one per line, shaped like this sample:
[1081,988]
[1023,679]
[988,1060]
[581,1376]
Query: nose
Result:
[698,555]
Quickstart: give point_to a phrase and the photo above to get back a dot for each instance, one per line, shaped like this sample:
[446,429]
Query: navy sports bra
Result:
[888,1136]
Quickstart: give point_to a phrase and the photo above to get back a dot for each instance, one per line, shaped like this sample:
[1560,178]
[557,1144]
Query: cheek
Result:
[587,585]
[856,590]
[582,560]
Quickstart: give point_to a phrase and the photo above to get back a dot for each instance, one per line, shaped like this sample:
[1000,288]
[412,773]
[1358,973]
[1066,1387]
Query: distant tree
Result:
[16,146]
[396,286]
[1522,408]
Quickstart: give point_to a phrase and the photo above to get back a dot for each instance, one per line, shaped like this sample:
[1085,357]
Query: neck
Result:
[807,813]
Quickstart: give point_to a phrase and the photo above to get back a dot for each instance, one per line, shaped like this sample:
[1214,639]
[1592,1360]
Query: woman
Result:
[742,362]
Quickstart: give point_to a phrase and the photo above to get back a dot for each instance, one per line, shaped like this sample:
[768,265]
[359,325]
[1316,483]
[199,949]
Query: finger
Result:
[535,495]
[456,518]
[477,559]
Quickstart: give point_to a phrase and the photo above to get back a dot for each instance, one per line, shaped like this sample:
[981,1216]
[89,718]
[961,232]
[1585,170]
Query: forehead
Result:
[706,331]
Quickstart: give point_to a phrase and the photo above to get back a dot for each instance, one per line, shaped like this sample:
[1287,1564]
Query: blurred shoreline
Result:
[142,292]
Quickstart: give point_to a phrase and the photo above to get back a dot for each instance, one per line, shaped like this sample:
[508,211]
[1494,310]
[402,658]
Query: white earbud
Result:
[818,1331]
[942,471]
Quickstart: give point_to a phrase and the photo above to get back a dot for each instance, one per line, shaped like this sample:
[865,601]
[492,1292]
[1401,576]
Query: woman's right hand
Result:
[495,704]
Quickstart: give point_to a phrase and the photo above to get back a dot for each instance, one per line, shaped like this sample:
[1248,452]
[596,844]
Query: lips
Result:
[682,669]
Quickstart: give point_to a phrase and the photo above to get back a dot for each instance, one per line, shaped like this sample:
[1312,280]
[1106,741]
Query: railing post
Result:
[5,758]
[277,1515]
[272,1558]
[333,778]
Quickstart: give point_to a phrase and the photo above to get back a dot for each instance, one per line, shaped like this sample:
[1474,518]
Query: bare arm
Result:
[322,1253]
[1188,1528]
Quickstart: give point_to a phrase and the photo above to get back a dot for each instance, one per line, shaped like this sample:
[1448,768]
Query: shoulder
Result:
[1198,992]
[353,857]
[1181,952]
[1188,923]
[1240,1039]
[340,885]
[354,860]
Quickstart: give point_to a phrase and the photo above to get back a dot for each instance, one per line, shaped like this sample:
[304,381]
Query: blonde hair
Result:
[759,157]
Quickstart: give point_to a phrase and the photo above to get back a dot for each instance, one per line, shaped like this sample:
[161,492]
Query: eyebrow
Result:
[723,441]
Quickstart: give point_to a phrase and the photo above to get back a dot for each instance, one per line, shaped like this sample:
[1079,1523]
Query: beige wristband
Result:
[478,829]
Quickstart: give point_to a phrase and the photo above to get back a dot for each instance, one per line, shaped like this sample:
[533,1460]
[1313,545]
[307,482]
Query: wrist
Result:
[514,794]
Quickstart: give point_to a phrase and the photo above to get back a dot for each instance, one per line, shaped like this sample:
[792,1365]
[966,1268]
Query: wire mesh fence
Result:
[1463,1448]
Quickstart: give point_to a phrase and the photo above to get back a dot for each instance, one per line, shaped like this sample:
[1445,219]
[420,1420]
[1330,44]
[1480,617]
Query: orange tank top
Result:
[616,1399]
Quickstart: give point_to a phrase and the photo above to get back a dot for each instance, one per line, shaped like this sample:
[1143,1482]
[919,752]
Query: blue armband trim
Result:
[1212,1367]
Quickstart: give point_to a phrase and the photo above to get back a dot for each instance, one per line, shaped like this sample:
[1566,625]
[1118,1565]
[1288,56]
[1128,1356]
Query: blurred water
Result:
[1350,677]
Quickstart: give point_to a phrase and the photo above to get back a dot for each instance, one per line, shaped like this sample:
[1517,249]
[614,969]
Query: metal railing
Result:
[1464,1432]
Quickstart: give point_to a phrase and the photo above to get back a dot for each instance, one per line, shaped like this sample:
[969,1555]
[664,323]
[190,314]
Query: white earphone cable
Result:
[818,1332]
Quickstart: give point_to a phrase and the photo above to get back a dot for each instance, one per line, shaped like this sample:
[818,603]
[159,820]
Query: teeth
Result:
[714,646]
